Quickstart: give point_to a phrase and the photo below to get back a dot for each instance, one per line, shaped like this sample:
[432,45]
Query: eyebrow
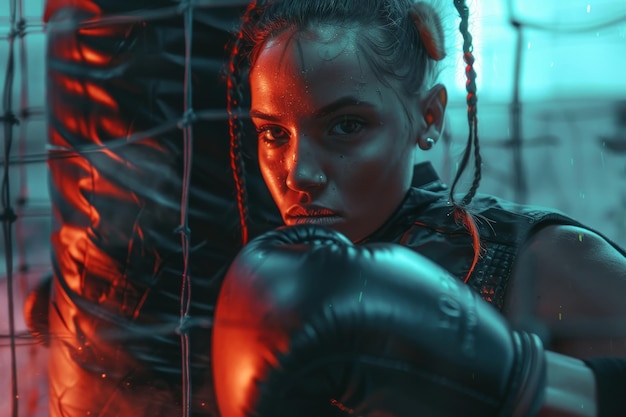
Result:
[255,114]
[336,105]
[348,101]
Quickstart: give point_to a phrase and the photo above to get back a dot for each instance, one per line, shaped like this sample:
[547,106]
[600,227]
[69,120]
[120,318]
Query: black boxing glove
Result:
[307,324]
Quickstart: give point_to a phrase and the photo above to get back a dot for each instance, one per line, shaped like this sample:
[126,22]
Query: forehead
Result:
[305,69]
[314,64]
[308,49]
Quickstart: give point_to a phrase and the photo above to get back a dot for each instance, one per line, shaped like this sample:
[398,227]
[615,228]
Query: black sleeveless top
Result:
[424,222]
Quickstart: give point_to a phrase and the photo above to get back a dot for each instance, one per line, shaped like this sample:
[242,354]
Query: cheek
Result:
[378,170]
[380,160]
[272,168]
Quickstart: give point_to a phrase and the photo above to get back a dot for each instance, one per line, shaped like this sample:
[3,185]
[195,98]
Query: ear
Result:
[433,109]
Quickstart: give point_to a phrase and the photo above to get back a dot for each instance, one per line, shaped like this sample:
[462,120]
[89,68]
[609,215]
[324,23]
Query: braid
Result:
[233,106]
[472,99]
[461,214]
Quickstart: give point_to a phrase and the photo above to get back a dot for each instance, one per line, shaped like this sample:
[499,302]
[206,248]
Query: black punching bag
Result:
[116,84]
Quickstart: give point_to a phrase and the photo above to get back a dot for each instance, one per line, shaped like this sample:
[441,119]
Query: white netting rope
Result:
[185,232]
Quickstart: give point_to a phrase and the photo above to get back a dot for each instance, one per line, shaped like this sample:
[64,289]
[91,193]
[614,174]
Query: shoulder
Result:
[577,244]
[571,252]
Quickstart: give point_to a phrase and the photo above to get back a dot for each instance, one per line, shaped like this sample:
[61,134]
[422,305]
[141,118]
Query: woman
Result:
[343,94]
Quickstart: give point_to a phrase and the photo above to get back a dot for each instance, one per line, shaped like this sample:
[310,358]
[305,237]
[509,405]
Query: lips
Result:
[309,211]
[310,214]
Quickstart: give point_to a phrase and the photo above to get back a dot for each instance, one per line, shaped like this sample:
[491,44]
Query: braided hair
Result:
[462,215]
[234,86]
[401,22]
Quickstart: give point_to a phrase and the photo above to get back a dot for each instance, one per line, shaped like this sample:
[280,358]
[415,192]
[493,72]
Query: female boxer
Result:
[343,94]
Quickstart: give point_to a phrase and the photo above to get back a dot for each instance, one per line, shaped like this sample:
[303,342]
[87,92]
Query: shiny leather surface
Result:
[115,302]
[309,325]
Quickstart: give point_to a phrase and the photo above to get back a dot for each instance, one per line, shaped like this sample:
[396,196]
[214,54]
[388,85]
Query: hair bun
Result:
[429,26]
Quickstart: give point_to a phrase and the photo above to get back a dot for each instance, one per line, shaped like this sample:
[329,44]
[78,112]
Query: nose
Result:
[304,165]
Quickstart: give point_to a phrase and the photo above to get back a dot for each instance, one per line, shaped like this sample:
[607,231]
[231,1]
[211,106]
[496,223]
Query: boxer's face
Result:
[336,145]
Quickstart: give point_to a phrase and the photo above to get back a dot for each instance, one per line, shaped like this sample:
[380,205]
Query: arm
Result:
[307,323]
[573,282]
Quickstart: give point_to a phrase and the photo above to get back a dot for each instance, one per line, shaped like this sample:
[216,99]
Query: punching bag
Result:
[144,203]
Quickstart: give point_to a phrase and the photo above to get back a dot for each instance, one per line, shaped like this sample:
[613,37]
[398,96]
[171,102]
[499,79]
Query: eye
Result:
[272,134]
[348,125]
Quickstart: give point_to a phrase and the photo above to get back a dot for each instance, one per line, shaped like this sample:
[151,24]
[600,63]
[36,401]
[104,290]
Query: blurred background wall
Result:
[566,60]
[552,123]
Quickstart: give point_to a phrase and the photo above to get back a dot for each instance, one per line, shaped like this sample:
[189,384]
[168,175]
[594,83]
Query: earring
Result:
[426,144]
